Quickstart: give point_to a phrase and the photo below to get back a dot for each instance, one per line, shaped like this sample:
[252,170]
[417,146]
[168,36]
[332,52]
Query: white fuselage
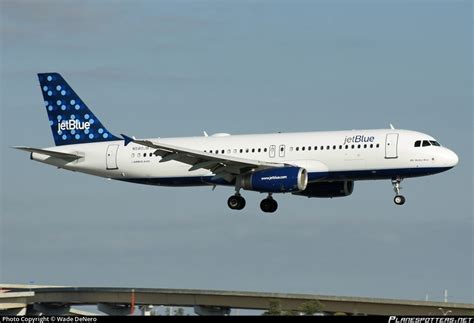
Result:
[327,156]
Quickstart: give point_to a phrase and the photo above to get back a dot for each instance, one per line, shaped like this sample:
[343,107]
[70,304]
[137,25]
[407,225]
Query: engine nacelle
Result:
[276,180]
[328,189]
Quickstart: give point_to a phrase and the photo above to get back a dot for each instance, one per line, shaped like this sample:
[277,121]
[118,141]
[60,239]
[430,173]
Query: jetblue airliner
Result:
[311,164]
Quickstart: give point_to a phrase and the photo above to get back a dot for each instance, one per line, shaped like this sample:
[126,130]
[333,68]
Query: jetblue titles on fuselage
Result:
[359,139]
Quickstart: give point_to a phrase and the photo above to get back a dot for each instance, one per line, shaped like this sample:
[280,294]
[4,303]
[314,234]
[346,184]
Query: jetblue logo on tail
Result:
[73,125]
[71,121]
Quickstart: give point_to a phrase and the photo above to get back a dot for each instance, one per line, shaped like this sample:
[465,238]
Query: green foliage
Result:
[274,308]
[310,307]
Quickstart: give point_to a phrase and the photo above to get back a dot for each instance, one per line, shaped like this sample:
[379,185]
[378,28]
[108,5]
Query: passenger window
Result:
[297,148]
[247,150]
[426,143]
[138,155]
[253,150]
[371,145]
[291,148]
[151,154]
[328,147]
[259,149]
[264,149]
[315,147]
[378,145]
[235,151]
[347,147]
[352,146]
[241,150]
[322,148]
[309,147]
[340,146]
[133,155]
[365,145]
[418,143]
[358,146]
[303,148]
[334,147]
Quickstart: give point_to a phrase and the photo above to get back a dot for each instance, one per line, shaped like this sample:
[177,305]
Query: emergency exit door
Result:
[272,150]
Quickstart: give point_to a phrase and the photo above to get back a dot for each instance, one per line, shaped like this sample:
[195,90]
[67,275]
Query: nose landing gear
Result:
[398,199]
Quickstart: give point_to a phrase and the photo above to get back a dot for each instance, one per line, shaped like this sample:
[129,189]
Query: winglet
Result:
[127,139]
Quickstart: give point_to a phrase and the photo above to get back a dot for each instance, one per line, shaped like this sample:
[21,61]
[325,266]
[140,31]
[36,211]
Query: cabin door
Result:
[391,143]
[111,157]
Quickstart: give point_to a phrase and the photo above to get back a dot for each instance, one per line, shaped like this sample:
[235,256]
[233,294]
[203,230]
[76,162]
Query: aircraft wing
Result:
[227,167]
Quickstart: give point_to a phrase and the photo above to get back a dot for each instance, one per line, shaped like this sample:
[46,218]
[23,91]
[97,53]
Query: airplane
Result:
[311,164]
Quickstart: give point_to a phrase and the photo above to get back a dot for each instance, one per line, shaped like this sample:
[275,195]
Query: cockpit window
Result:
[417,143]
[426,143]
[434,143]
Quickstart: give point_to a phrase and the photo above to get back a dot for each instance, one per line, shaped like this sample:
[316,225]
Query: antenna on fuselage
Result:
[205,133]
[392,127]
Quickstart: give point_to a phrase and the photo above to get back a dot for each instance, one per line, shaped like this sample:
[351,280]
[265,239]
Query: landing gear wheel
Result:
[269,205]
[399,200]
[236,202]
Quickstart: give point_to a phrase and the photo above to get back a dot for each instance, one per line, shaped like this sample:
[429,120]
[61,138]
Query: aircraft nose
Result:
[451,158]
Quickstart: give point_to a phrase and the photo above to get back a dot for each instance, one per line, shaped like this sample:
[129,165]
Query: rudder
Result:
[71,121]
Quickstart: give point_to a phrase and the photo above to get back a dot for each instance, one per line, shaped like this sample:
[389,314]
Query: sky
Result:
[177,68]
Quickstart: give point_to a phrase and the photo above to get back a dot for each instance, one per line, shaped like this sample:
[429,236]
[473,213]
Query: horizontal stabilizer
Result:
[55,154]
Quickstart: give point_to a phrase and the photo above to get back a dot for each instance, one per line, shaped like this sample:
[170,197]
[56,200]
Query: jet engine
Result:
[276,180]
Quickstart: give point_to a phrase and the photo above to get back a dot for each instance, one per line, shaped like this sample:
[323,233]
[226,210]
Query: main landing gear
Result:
[237,202]
[398,199]
[269,205]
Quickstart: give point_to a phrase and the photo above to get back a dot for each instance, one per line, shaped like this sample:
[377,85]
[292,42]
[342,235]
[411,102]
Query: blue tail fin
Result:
[71,120]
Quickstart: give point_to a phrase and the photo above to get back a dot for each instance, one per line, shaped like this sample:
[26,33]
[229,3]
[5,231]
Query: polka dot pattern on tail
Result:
[68,128]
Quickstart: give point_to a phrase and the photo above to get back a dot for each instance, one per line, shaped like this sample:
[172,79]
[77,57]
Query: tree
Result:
[274,308]
[311,307]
